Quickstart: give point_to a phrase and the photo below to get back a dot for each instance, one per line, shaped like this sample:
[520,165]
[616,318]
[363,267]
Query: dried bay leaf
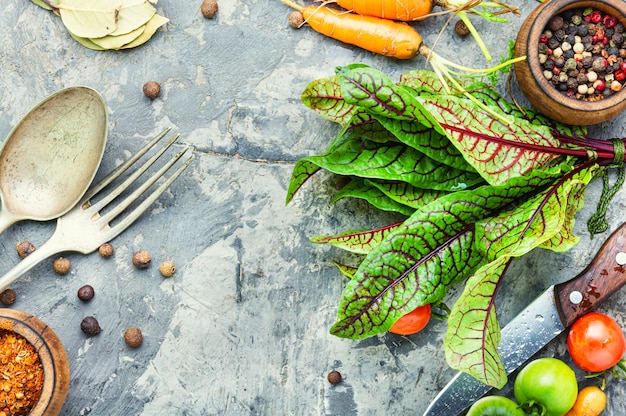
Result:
[151,28]
[117,42]
[132,15]
[87,43]
[90,18]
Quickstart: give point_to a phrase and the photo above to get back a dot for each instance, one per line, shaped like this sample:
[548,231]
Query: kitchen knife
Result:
[546,317]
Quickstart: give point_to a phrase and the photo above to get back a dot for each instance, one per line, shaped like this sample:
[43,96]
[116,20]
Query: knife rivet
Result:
[620,258]
[575,297]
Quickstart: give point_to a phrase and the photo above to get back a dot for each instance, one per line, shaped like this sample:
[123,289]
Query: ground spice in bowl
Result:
[581,52]
[21,375]
[34,369]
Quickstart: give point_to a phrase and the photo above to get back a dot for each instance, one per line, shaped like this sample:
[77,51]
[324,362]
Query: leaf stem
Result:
[479,40]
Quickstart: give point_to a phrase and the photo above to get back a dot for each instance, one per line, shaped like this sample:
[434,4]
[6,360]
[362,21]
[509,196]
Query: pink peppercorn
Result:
[596,17]
[619,75]
[543,38]
[599,85]
[609,21]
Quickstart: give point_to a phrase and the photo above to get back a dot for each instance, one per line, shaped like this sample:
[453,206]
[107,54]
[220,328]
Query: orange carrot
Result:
[404,10]
[382,36]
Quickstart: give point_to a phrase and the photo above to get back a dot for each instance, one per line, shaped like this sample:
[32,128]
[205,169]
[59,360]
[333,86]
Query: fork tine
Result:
[115,173]
[111,195]
[120,207]
[143,206]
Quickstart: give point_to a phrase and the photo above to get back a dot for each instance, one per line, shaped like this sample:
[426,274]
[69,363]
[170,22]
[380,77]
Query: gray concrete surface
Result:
[242,328]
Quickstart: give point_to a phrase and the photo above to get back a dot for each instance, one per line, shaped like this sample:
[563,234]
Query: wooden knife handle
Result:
[601,278]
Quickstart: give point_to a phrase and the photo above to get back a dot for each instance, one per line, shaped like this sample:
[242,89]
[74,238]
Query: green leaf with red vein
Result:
[324,96]
[538,219]
[497,150]
[473,332]
[379,95]
[427,141]
[355,155]
[358,188]
[302,171]
[405,193]
[356,241]
[417,262]
[346,270]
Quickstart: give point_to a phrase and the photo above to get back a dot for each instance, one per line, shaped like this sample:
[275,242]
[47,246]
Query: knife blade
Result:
[540,322]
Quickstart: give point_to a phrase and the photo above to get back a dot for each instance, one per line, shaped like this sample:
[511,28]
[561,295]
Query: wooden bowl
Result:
[539,91]
[52,355]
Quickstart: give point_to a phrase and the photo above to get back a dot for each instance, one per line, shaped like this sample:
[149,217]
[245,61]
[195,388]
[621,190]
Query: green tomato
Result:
[546,387]
[495,406]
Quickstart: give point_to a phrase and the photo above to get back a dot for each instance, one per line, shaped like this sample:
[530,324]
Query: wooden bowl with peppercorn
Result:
[34,365]
[575,65]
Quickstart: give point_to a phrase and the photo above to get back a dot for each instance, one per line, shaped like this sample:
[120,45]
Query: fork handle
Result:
[46,250]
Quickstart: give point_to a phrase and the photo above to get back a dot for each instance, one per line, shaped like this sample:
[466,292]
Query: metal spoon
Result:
[51,156]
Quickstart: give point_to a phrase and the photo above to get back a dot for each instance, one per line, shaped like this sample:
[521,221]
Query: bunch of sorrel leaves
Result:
[478,191]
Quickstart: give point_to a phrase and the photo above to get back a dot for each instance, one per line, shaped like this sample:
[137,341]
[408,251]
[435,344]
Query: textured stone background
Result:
[242,328]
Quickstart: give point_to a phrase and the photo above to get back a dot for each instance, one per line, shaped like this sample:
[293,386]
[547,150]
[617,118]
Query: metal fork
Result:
[84,228]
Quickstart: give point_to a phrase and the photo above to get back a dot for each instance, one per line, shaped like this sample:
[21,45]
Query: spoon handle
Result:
[46,250]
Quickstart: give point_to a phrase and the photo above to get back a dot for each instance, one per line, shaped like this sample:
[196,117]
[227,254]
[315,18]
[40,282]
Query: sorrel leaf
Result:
[473,332]
[355,155]
[417,262]
[356,241]
[497,150]
[324,96]
[536,220]
[362,189]
[405,193]
[302,171]
[427,141]
[379,95]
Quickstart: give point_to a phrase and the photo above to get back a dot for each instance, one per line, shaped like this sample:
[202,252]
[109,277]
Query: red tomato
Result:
[412,322]
[596,342]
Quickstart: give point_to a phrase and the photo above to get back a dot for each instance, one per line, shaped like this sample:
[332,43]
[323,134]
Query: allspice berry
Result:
[8,297]
[334,377]
[151,89]
[141,259]
[90,326]
[24,248]
[295,19]
[167,268]
[106,250]
[61,265]
[209,8]
[86,293]
[133,337]
[460,28]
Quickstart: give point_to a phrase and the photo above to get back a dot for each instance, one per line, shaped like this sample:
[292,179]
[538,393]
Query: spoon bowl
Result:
[50,157]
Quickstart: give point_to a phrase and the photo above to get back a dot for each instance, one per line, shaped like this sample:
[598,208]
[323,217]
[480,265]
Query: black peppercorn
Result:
[556,23]
[8,297]
[86,293]
[90,326]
